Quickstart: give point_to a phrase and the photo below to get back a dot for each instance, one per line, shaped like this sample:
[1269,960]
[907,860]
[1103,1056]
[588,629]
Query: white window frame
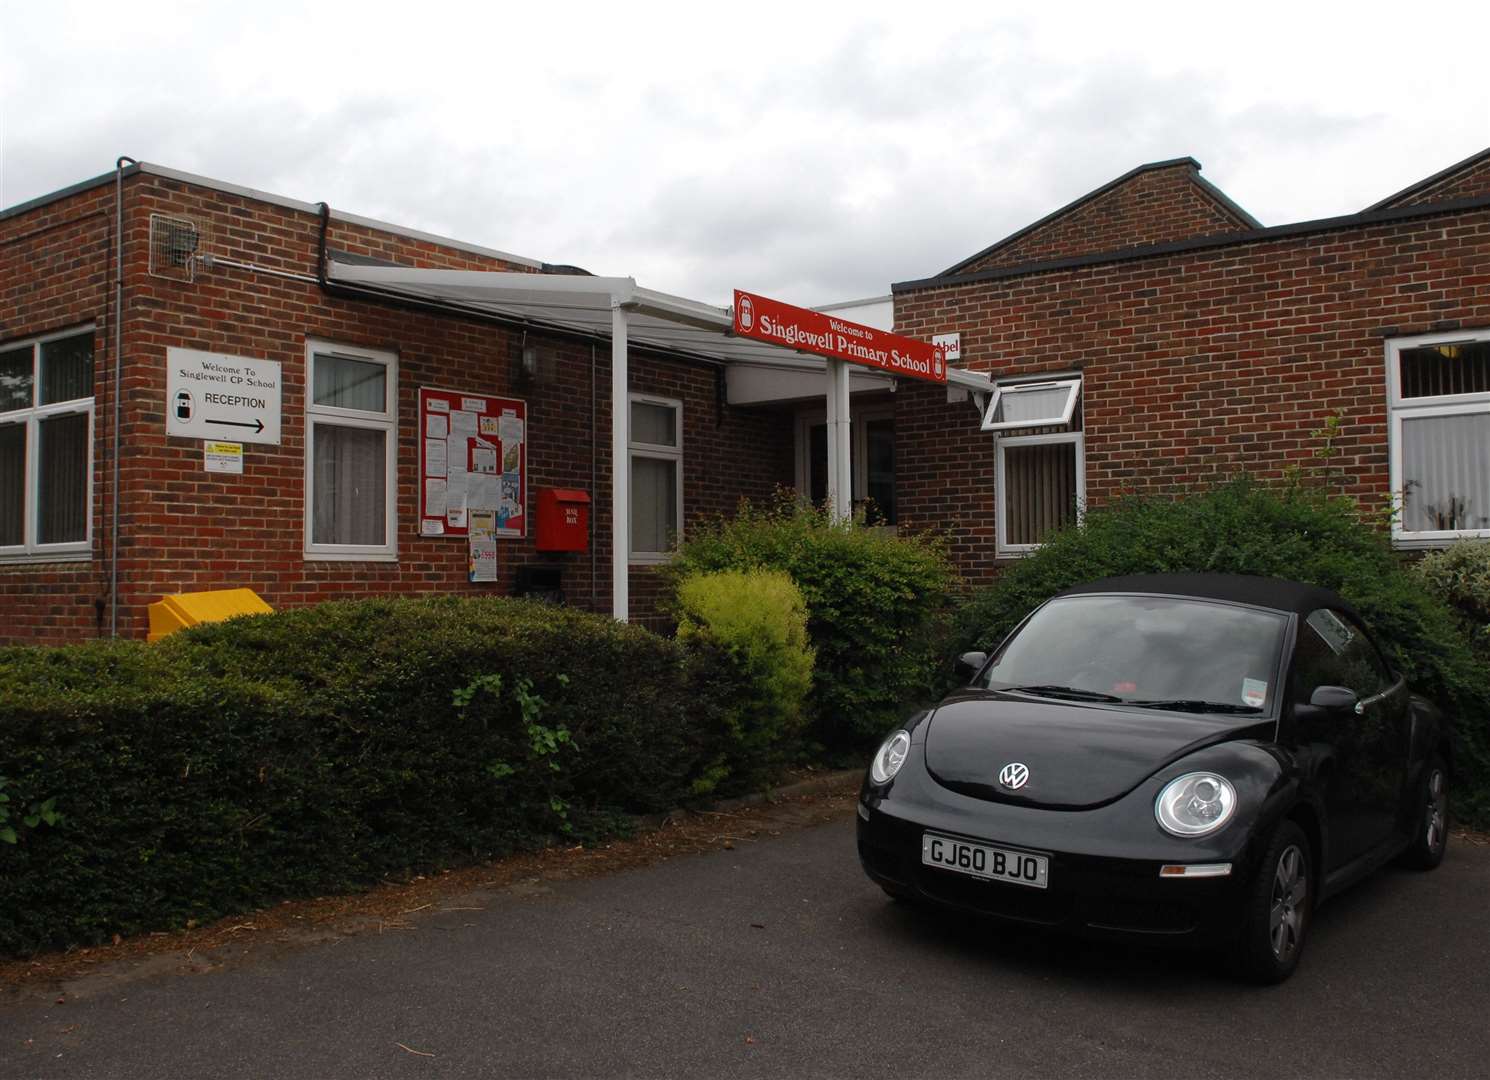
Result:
[30,550]
[1071,384]
[1002,547]
[636,449]
[1400,409]
[386,421]
[859,417]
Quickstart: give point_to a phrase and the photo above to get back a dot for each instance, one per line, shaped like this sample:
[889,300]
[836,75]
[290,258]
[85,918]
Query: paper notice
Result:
[481,492]
[436,461]
[512,456]
[431,527]
[482,524]
[488,425]
[483,458]
[473,404]
[436,427]
[462,425]
[434,497]
[455,510]
[483,560]
[510,428]
[436,405]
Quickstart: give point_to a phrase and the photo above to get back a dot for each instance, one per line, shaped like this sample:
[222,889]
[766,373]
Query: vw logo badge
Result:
[1014,775]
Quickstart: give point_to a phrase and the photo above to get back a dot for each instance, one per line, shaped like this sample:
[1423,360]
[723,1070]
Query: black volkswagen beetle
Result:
[1198,759]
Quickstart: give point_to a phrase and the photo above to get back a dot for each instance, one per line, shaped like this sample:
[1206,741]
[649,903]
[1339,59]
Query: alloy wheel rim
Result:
[1437,810]
[1290,891]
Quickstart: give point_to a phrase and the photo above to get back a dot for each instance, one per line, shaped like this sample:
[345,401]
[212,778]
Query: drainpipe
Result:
[118,385]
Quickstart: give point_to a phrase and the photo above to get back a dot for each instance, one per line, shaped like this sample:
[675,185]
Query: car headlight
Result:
[889,757]
[1195,804]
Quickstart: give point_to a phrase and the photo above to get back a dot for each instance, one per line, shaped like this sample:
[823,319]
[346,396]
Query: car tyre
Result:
[1430,833]
[1280,906]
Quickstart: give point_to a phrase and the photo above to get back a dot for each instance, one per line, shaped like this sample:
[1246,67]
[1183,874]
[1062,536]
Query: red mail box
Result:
[563,519]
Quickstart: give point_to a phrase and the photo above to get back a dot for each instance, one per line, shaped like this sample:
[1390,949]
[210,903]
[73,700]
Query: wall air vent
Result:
[173,247]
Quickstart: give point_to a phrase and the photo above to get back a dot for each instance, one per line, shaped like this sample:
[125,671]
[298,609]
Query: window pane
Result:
[351,384]
[62,496]
[1446,472]
[1040,495]
[655,424]
[349,486]
[67,369]
[15,379]
[879,436]
[1333,652]
[654,503]
[1032,408]
[1446,369]
[817,464]
[12,484]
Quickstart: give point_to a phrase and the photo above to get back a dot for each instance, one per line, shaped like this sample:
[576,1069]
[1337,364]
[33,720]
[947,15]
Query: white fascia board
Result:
[750,383]
[975,381]
[497,285]
[680,309]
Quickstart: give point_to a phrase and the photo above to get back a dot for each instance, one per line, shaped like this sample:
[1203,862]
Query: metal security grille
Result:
[173,247]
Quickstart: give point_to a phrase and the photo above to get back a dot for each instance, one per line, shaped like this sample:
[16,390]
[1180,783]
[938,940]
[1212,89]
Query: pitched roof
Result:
[1441,184]
[1104,220]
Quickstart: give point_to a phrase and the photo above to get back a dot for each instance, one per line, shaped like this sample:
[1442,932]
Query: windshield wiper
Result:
[1075,693]
[1195,705]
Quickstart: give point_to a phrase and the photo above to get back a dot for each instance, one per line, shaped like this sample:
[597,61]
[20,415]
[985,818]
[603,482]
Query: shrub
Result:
[324,748]
[758,617]
[1290,531]
[876,605]
[1459,575]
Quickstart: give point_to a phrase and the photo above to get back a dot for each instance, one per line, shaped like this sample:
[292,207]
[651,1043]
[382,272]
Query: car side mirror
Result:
[1334,699]
[968,664]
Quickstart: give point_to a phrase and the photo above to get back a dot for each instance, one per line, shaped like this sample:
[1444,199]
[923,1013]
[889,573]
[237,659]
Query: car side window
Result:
[1333,650]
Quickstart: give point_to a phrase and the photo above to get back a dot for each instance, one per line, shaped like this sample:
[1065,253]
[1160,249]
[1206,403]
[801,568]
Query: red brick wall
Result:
[185,530]
[54,274]
[1195,365]
[1153,207]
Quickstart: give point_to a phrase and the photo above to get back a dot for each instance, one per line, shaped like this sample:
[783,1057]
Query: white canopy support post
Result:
[840,472]
[620,469]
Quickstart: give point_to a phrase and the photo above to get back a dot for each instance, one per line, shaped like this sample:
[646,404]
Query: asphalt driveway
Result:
[779,959]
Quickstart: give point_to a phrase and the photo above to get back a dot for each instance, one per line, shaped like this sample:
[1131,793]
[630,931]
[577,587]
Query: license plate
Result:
[986,861]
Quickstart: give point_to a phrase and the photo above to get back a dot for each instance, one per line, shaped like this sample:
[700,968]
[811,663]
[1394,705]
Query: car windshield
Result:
[1156,651]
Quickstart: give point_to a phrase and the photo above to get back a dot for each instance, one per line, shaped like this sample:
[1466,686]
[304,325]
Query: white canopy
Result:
[619,309]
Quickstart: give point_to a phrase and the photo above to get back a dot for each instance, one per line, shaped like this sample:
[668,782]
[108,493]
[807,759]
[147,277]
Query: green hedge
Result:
[324,748]
[1459,575]
[758,617]
[876,605]
[1289,531]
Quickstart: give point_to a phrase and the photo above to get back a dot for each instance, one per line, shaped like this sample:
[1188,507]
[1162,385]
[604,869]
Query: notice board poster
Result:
[473,456]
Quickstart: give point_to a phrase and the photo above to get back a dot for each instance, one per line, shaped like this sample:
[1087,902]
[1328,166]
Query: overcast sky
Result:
[809,156]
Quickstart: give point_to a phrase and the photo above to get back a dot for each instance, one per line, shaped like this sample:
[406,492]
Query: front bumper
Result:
[1104,867]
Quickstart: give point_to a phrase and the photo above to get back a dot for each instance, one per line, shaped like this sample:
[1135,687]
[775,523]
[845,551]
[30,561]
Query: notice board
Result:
[473,455]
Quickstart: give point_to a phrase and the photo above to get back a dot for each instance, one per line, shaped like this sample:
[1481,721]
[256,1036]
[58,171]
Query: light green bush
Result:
[876,608]
[758,617]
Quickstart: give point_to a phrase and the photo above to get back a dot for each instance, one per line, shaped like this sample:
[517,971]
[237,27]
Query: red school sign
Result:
[764,319]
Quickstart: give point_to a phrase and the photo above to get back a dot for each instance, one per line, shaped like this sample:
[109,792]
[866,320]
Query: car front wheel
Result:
[1280,904]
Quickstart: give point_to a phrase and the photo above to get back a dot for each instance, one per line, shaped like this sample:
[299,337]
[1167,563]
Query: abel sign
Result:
[226,398]
[764,319]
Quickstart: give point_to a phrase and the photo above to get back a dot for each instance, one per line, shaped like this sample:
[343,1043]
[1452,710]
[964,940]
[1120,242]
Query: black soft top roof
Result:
[1266,592]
